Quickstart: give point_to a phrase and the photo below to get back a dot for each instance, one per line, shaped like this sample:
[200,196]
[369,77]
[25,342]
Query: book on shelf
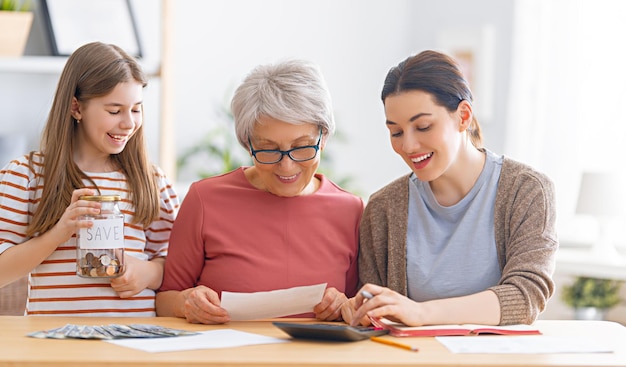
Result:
[400,330]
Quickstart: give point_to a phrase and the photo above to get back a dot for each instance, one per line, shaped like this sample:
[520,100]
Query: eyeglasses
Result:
[299,154]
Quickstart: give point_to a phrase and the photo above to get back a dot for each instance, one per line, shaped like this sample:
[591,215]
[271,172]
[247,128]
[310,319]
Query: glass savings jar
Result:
[100,249]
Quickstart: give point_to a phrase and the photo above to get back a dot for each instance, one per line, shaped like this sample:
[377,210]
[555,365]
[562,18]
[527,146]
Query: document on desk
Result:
[271,304]
[526,344]
[223,338]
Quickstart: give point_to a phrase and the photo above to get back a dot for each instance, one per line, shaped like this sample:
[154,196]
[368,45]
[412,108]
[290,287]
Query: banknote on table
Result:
[108,332]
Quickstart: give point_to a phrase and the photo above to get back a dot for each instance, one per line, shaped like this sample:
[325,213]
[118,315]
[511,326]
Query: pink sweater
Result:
[230,236]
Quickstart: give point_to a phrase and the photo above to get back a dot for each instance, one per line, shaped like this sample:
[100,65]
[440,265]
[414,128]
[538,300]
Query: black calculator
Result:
[336,332]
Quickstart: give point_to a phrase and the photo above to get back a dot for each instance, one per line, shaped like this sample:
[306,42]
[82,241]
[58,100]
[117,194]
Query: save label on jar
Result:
[100,249]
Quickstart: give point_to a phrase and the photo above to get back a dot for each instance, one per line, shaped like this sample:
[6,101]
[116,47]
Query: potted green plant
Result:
[591,297]
[215,153]
[16,19]
[219,152]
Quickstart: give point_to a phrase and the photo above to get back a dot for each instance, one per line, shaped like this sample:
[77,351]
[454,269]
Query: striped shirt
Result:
[54,287]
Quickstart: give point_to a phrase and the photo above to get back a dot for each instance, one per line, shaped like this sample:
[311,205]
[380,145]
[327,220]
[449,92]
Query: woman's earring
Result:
[77,121]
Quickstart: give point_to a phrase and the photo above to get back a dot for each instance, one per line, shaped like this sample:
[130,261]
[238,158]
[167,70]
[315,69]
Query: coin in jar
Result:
[105,260]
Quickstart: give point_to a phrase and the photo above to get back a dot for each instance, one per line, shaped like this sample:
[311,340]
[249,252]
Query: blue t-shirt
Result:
[451,251]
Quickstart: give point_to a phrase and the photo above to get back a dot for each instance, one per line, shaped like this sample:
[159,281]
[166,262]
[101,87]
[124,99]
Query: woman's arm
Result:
[170,303]
[479,308]
[382,251]
[525,220]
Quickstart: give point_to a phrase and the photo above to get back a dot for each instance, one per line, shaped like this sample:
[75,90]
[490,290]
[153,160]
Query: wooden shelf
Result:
[55,64]
[32,64]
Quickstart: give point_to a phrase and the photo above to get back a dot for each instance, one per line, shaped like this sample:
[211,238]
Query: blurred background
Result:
[547,77]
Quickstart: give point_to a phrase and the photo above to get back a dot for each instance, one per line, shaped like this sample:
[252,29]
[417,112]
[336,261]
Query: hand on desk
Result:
[202,306]
[384,303]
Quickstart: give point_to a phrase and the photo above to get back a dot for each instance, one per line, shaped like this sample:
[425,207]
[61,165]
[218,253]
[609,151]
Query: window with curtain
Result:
[568,95]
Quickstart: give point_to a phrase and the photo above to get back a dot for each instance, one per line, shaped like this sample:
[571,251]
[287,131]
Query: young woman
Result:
[92,144]
[467,237]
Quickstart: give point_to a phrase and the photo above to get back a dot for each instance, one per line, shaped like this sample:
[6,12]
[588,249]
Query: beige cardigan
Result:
[525,236]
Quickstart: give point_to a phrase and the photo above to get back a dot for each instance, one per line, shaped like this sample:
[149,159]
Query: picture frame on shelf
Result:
[474,49]
[73,23]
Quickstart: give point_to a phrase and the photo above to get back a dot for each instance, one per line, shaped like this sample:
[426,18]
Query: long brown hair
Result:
[93,70]
[440,76]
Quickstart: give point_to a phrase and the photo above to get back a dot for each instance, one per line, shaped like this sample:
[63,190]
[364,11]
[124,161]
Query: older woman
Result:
[277,224]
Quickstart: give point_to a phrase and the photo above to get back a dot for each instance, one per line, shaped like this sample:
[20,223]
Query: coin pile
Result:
[105,265]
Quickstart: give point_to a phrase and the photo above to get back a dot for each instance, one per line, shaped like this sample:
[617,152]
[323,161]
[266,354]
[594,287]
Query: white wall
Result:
[216,43]
[354,41]
[351,40]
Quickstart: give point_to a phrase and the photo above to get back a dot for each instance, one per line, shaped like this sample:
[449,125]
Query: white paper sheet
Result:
[224,338]
[277,303]
[525,344]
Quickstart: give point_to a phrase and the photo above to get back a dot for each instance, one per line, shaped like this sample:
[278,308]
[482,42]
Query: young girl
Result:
[92,144]
[469,236]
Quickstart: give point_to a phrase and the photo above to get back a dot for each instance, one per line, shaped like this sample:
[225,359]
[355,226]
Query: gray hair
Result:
[293,91]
